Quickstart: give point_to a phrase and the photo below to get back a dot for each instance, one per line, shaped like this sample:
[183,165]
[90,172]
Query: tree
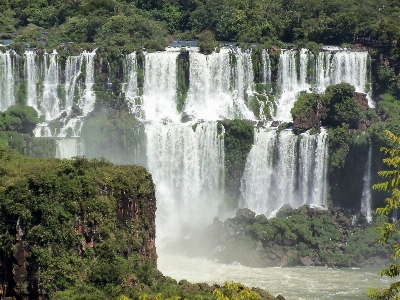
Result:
[390,230]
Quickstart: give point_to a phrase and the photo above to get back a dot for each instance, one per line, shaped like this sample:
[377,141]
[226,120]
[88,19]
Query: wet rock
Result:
[285,211]
[306,261]
[186,118]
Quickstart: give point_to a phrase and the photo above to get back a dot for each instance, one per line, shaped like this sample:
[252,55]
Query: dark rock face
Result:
[361,100]
[128,217]
[313,120]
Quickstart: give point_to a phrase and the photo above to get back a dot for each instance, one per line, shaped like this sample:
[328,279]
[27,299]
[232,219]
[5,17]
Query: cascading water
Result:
[344,66]
[211,95]
[32,79]
[73,69]
[87,101]
[285,168]
[187,168]
[292,79]
[159,95]
[50,104]
[366,193]
[266,63]
[131,85]
[67,148]
[7,80]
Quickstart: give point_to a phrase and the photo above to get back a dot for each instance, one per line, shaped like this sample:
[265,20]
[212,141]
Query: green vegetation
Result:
[390,231]
[304,236]
[238,140]
[113,135]
[16,132]
[137,24]
[80,229]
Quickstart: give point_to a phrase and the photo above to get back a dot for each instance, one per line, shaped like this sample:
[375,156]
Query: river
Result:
[311,283]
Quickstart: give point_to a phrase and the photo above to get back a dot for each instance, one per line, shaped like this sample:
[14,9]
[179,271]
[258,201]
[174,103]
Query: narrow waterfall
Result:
[187,168]
[292,79]
[32,79]
[366,193]
[345,66]
[211,95]
[266,67]
[131,84]
[50,104]
[73,67]
[88,99]
[285,168]
[7,80]
[159,95]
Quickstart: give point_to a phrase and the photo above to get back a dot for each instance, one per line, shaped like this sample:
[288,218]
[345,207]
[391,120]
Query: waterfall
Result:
[73,67]
[7,80]
[211,95]
[292,79]
[88,99]
[366,193]
[131,84]
[50,105]
[266,63]
[187,168]
[160,83]
[285,168]
[345,66]
[32,79]
[67,148]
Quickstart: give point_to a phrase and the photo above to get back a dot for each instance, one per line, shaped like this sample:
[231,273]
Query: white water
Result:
[50,105]
[285,169]
[211,95]
[131,84]
[301,283]
[366,193]
[7,80]
[344,66]
[73,69]
[292,79]
[159,95]
[187,168]
[67,148]
[32,78]
[266,67]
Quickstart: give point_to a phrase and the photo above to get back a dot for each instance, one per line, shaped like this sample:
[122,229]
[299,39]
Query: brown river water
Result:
[293,283]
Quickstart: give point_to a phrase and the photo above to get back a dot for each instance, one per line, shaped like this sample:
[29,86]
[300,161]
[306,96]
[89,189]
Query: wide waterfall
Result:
[51,104]
[283,168]
[187,159]
[187,165]
[211,94]
[344,66]
[7,80]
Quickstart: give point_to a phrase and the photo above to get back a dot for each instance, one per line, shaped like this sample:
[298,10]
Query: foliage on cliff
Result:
[74,225]
[16,132]
[390,231]
[114,135]
[238,140]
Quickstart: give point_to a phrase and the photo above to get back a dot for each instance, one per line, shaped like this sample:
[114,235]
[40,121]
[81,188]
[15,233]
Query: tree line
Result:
[147,23]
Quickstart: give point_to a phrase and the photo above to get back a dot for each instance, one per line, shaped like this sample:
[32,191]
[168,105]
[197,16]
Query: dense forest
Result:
[141,23]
